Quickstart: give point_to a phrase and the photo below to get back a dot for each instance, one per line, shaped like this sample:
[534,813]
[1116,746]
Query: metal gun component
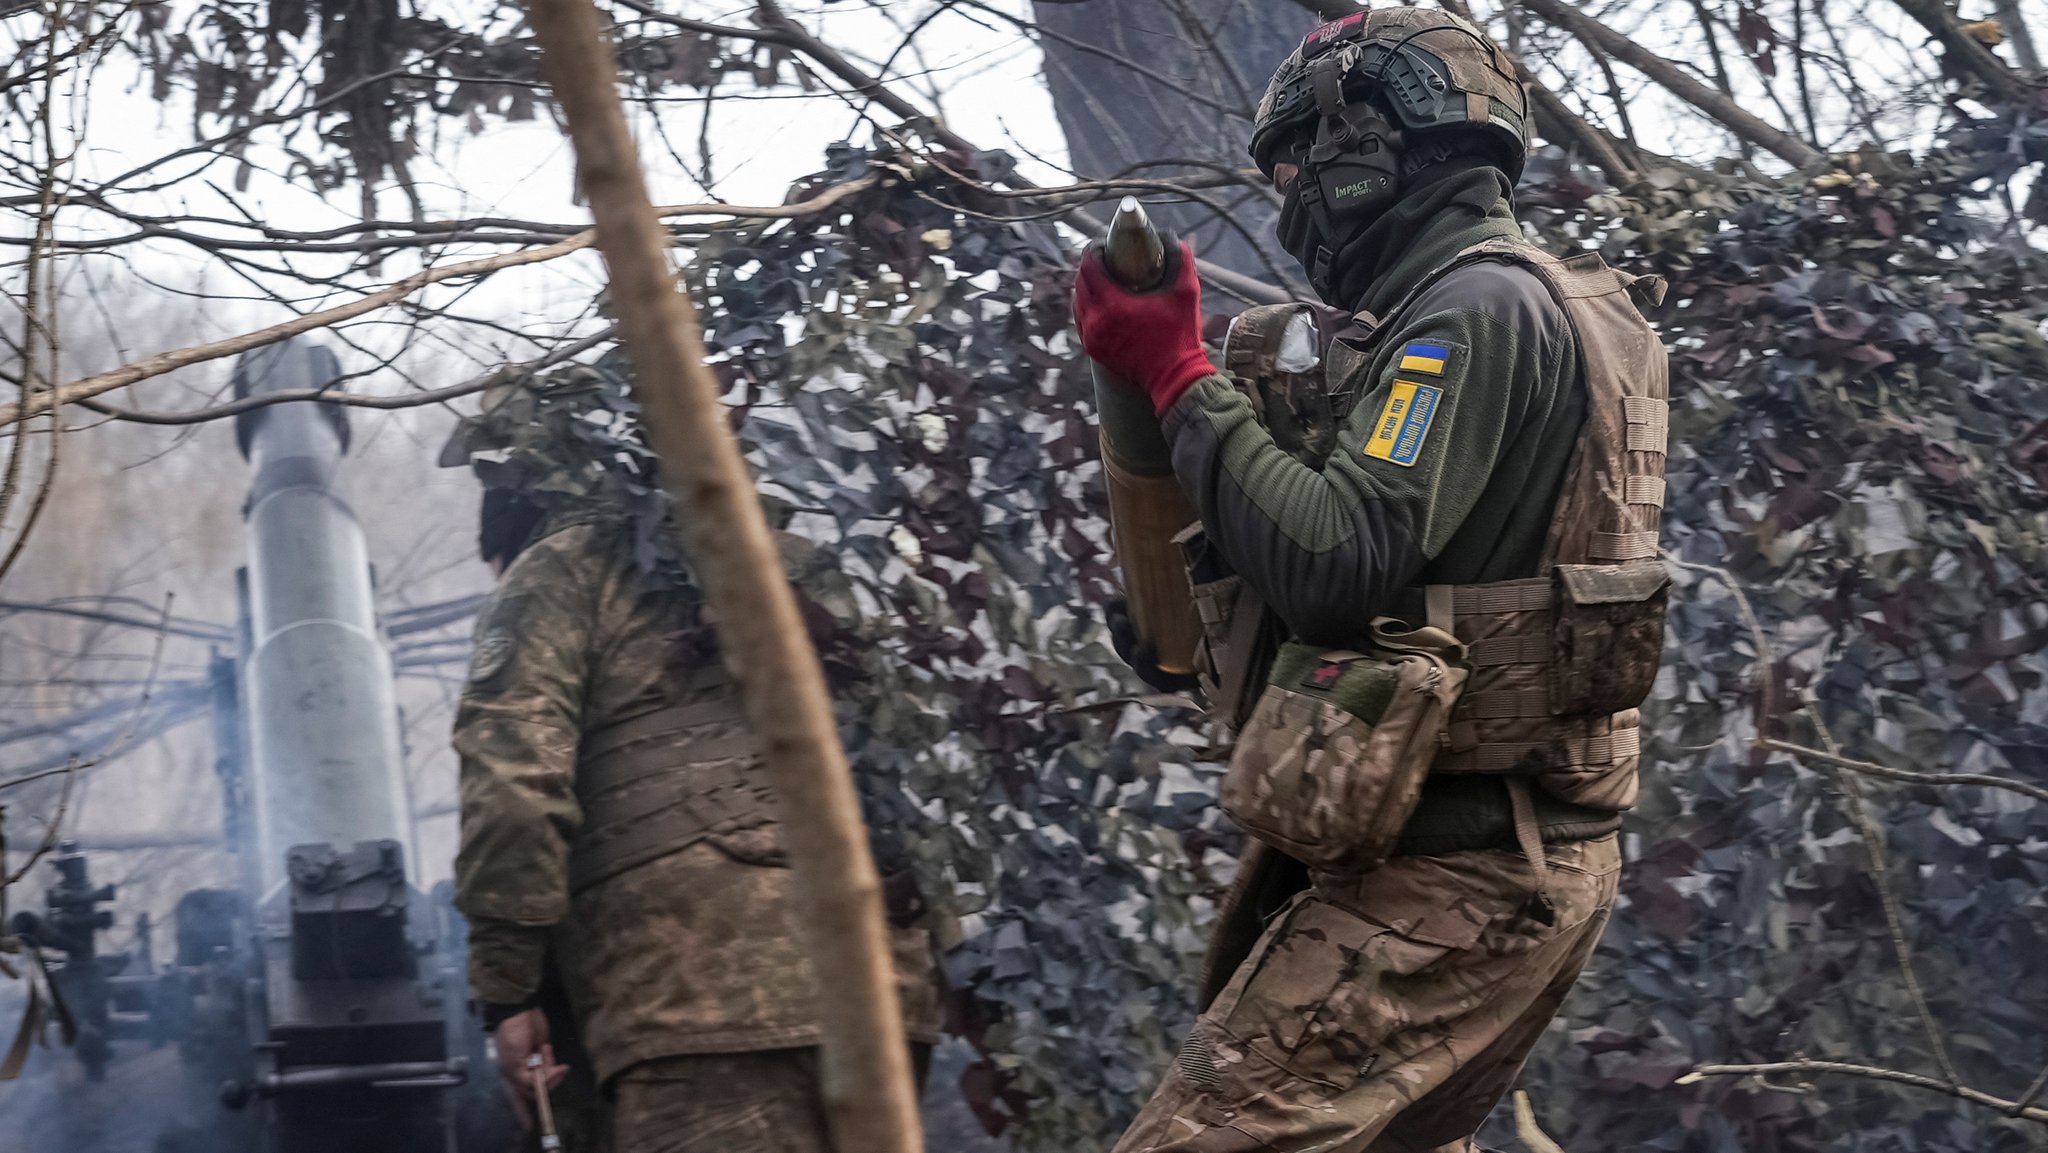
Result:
[70,925]
[325,763]
[322,1000]
[390,1075]
[350,1019]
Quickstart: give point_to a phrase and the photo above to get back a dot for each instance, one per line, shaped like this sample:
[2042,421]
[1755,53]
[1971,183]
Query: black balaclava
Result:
[1343,266]
[506,523]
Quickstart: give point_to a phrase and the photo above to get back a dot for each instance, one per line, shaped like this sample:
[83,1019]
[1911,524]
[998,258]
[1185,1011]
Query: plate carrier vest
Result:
[1559,662]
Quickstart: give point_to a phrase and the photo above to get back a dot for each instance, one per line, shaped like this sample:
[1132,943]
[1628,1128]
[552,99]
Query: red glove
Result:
[1150,339]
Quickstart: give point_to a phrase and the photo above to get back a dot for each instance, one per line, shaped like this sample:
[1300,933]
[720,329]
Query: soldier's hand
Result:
[1151,339]
[517,1038]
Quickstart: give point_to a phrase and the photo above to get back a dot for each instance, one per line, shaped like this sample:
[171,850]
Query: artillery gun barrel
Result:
[326,761]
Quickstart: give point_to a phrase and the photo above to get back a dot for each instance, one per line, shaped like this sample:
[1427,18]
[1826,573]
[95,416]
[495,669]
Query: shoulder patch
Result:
[1421,357]
[1397,437]
[492,652]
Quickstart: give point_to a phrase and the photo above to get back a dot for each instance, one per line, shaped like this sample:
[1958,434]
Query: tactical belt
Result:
[650,788]
[1460,814]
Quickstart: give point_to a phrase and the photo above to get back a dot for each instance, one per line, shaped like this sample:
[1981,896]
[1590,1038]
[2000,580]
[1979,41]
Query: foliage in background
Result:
[1860,438]
[928,427]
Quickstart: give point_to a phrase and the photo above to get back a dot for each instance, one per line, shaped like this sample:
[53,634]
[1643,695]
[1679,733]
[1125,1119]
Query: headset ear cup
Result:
[1361,180]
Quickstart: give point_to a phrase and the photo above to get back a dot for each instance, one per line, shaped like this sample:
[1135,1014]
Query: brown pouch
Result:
[1609,637]
[1330,765]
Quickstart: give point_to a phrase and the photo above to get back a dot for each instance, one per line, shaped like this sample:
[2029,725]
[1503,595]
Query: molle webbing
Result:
[1506,721]
[663,781]
[1607,515]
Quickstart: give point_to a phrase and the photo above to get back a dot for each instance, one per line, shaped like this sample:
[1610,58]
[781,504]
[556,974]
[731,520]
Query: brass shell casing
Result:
[1145,514]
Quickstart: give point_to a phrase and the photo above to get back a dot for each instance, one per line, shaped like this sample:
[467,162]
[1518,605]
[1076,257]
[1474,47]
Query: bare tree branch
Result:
[1731,115]
[164,362]
[2009,1108]
[2014,24]
[792,35]
[1872,835]
[1905,776]
[357,400]
[1556,120]
[195,630]
[1964,53]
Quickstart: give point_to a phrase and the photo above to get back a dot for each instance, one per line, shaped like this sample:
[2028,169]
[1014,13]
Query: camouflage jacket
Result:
[692,952]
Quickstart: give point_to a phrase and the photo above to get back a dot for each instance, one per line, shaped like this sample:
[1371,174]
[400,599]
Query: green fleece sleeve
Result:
[1327,549]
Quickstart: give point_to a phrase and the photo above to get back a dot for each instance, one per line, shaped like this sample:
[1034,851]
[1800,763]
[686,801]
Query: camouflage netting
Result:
[1860,438]
[1860,442]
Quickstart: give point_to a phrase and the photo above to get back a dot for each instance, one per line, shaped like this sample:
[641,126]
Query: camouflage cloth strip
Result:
[1385,1014]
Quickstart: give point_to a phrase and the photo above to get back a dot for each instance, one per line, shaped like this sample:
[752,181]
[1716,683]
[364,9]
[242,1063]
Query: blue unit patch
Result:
[1397,437]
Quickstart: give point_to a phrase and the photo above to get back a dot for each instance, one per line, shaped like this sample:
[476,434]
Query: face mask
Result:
[1296,232]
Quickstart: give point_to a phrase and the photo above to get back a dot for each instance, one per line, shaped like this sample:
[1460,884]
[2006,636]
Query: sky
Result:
[760,143]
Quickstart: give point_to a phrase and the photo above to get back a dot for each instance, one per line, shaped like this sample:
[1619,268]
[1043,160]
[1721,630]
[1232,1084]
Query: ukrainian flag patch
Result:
[1404,422]
[1429,358]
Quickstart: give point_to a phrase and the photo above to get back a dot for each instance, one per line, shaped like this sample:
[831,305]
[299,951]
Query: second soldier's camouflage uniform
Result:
[616,823]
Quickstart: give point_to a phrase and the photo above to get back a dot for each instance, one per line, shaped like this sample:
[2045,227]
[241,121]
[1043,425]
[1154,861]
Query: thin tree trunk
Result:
[2014,24]
[1721,77]
[1713,38]
[1616,97]
[867,1079]
[1732,116]
[1799,73]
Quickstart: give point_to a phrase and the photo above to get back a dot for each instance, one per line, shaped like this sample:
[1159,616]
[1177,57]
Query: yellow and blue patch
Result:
[1422,357]
[1404,422]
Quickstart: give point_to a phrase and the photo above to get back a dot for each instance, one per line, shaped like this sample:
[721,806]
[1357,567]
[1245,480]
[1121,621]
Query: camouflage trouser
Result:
[764,1102]
[761,1102]
[1384,1014]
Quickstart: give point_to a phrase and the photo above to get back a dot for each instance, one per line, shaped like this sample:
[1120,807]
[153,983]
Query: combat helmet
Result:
[1434,73]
